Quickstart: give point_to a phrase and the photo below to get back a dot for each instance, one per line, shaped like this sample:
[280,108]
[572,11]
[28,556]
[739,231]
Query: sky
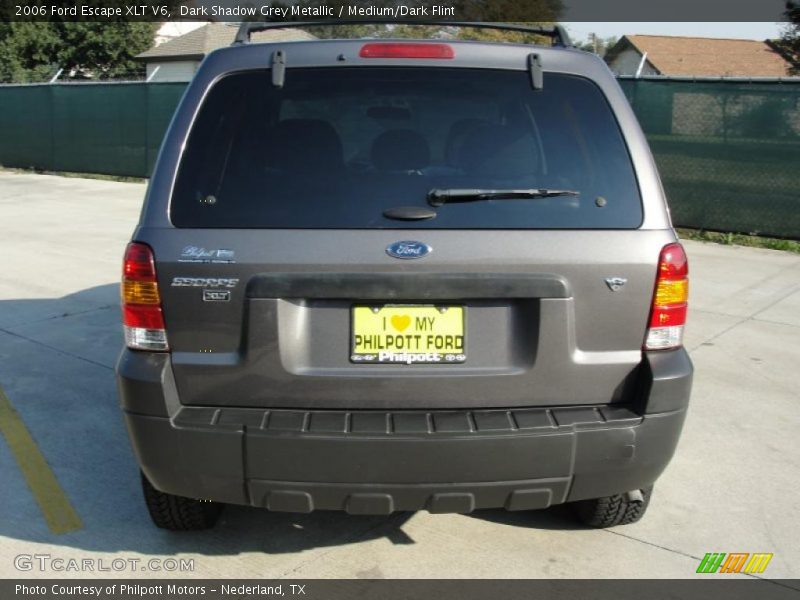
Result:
[580,31]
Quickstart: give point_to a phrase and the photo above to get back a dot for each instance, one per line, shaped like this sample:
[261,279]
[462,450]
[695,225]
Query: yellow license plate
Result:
[408,334]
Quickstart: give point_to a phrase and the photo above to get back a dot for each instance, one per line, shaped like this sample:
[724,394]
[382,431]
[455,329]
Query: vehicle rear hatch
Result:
[308,268]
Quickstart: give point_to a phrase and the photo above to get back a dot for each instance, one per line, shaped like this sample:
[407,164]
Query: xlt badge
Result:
[216,296]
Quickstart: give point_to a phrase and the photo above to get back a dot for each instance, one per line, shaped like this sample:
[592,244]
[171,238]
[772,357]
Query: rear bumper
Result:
[376,462]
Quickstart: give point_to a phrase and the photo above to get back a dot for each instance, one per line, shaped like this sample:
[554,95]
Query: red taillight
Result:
[404,50]
[142,317]
[668,312]
[139,264]
[141,302]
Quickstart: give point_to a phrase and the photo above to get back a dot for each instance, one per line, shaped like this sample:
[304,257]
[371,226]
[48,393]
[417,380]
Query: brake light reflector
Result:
[670,300]
[404,50]
[141,303]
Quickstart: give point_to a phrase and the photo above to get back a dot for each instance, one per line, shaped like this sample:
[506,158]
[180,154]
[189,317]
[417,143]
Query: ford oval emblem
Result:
[408,249]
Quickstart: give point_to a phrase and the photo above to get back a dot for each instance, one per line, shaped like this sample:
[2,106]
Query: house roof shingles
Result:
[710,57]
[203,40]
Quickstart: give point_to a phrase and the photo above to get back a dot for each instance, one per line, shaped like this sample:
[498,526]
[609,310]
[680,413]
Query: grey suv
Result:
[391,275]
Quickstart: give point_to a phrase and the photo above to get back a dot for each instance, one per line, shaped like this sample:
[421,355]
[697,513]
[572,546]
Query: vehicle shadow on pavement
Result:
[557,518]
[56,367]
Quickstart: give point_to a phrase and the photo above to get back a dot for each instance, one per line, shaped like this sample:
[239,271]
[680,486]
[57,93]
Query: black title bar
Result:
[438,10]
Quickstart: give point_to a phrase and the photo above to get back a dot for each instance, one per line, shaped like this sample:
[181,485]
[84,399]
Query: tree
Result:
[598,45]
[520,12]
[789,44]
[28,52]
[33,52]
[514,11]
[546,12]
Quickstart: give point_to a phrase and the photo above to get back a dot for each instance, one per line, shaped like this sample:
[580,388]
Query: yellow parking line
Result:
[52,500]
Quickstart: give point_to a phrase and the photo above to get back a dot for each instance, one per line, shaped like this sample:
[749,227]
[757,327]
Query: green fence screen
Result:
[728,151]
[110,128]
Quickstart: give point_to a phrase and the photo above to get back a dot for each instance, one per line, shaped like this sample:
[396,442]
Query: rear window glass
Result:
[336,147]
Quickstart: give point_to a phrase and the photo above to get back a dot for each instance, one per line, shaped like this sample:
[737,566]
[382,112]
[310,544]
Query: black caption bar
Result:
[444,10]
[349,589]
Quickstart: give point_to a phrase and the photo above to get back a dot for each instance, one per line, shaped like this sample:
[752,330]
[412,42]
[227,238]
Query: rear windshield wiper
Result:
[438,197]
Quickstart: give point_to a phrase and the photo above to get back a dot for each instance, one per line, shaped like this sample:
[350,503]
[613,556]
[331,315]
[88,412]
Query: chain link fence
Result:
[728,151]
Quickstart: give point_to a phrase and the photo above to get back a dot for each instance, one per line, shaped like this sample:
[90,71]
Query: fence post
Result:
[51,96]
[146,128]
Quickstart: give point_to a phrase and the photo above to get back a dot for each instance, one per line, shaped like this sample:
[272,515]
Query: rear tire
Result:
[177,513]
[609,511]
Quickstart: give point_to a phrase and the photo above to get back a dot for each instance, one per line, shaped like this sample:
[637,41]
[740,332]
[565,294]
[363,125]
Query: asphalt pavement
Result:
[69,486]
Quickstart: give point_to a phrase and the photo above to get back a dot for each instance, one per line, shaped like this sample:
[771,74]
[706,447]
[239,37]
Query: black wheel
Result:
[619,509]
[178,513]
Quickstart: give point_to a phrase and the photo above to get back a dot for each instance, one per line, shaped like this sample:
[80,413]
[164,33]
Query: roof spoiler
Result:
[557,33]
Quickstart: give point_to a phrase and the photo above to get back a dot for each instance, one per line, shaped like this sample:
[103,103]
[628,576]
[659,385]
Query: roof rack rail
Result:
[557,33]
